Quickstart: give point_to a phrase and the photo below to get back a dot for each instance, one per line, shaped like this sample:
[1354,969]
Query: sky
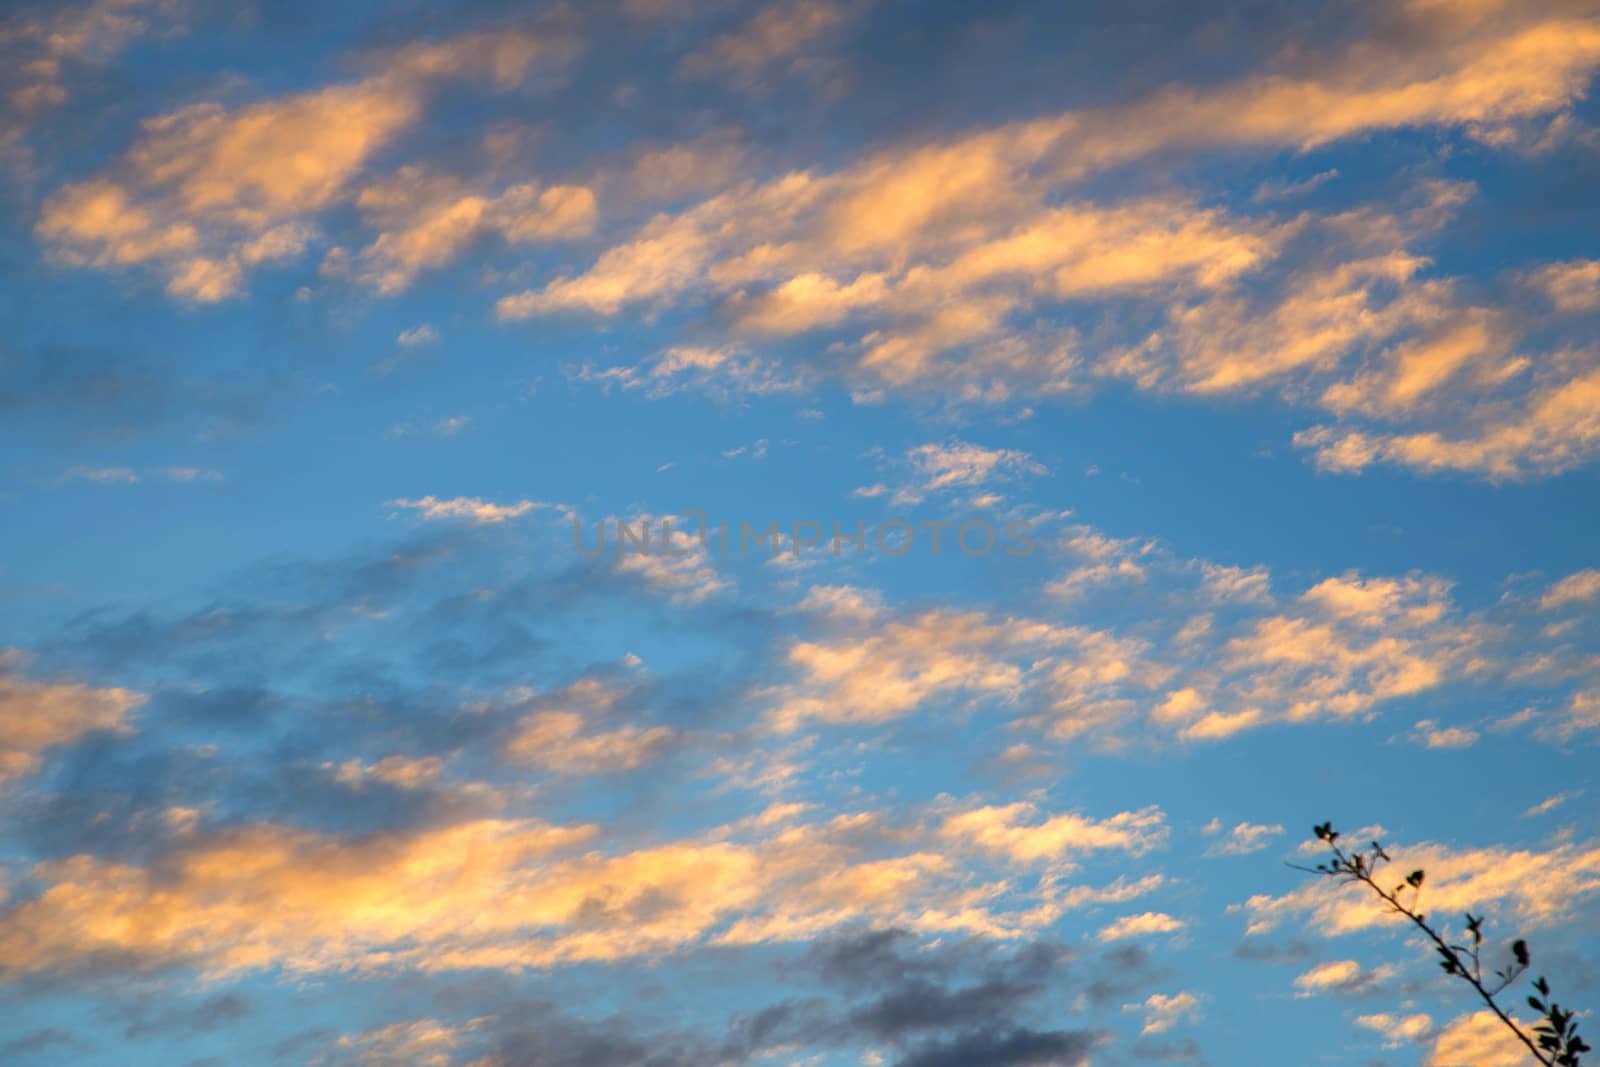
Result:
[815,532]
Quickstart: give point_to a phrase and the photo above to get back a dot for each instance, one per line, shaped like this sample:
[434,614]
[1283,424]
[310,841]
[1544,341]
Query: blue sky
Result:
[323,742]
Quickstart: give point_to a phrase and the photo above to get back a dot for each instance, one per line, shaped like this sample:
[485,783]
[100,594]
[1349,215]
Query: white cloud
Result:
[1430,734]
[1244,839]
[1534,888]
[1164,1011]
[1480,1039]
[1341,976]
[418,336]
[469,509]
[1576,588]
[1397,1030]
[1142,925]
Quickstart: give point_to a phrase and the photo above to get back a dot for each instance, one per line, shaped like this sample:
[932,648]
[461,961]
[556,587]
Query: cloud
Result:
[755,450]
[1397,1030]
[1231,343]
[423,221]
[777,33]
[676,171]
[1164,1011]
[418,337]
[556,740]
[470,509]
[895,667]
[1142,925]
[957,464]
[1430,734]
[1550,803]
[728,371]
[842,601]
[1201,653]
[1104,561]
[1531,887]
[130,476]
[445,427]
[102,475]
[1413,373]
[188,474]
[951,466]
[211,1013]
[207,194]
[1341,976]
[1479,66]
[40,50]
[38,1040]
[670,557]
[947,267]
[1066,680]
[402,772]
[1582,712]
[36,716]
[560,735]
[1020,1047]
[1573,286]
[1357,323]
[501,893]
[808,252]
[1342,648]
[423,1043]
[1244,839]
[1003,830]
[1554,428]
[1351,643]
[1480,1039]
[1573,589]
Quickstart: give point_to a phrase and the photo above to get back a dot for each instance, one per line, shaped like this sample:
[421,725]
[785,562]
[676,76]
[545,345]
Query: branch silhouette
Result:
[1555,1041]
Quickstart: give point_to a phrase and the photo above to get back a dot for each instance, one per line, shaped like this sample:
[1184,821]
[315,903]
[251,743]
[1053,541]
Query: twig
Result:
[1555,1030]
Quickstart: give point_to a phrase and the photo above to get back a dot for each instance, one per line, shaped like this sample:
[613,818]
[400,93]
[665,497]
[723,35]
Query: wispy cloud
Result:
[466,508]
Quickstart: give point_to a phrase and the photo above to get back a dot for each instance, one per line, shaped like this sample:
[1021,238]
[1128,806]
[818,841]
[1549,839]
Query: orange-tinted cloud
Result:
[207,193]
[36,716]
[515,893]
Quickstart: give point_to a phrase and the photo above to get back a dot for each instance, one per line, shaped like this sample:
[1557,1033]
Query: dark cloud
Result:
[1254,948]
[1185,1051]
[230,725]
[1007,1048]
[878,959]
[803,1022]
[111,391]
[967,1002]
[1119,973]
[971,1002]
[550,1038]
[34,1042]
[871,958]
[97,393]
[299,1048]
[922,1005]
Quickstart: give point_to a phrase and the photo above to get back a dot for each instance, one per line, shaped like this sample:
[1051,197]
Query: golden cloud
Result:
[208,193]
[512,894]
[36,716]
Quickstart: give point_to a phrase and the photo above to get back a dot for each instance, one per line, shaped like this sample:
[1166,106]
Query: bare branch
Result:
[1555,1042]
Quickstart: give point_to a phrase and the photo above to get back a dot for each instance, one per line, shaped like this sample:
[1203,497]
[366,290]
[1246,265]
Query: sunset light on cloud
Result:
[767,532]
